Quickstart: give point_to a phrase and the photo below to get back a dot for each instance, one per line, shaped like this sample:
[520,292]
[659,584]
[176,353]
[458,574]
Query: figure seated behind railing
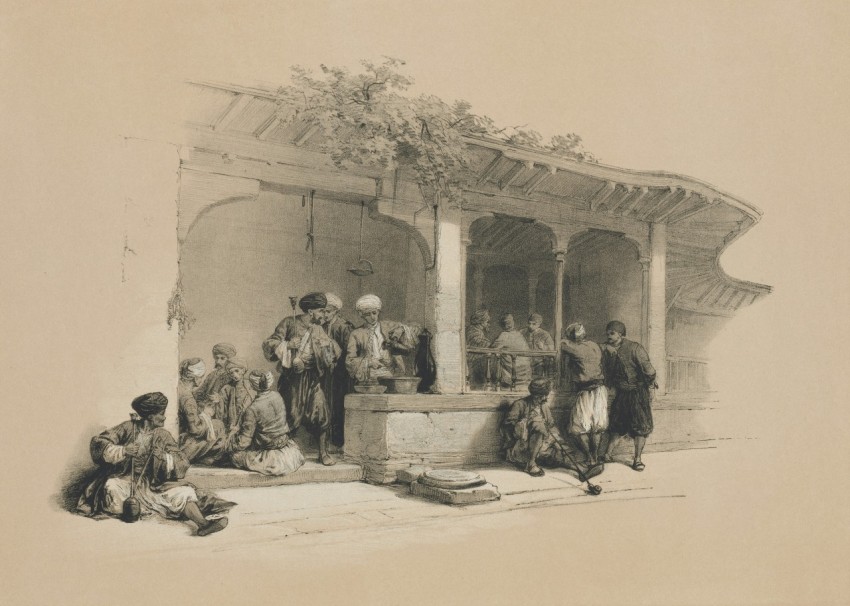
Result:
[515,371]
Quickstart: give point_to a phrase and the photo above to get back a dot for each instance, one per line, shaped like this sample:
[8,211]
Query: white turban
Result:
[333,300]
[193,367]
[367,302]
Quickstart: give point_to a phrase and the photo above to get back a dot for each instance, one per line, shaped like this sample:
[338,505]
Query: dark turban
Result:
[224,349]
[150,404]
[479,316]
[617,326]
[313,300]
[539,387]
[535,318]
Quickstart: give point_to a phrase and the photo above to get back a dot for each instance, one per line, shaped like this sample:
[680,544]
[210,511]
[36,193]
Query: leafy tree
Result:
[366,119]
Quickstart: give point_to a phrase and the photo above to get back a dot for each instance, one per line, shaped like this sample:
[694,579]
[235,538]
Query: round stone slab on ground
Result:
[451,479]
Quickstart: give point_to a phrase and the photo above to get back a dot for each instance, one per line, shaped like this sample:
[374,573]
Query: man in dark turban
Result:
[629,371]
[207,394]
[138,457]
[531,435]
[306,357]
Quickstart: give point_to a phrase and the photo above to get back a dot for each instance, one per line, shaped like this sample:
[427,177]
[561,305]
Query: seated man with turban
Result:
[235,396]
[476,336]
[261,441]
[141,454]
[207,393]
[515,370]
[531,436]
[376,349]
[201,436]
[306,358]
[538,340]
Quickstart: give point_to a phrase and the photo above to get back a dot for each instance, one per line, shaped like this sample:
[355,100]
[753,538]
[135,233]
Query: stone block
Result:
[464,496]
[411,474]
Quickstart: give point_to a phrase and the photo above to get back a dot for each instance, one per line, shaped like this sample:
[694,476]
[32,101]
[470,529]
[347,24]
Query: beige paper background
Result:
[752,97]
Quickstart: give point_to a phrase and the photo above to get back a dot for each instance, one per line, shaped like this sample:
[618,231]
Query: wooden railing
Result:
[687,374]
[486,367]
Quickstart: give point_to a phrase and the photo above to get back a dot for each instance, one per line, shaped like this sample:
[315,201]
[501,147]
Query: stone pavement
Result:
[297,512]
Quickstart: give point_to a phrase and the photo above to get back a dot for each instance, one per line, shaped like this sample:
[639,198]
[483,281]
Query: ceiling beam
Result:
[630,191]
[602,194]
[491,169]
[643,195]
[509,177]
[304,135]
[267,127]
[239,103]
[674,207]
[704,204]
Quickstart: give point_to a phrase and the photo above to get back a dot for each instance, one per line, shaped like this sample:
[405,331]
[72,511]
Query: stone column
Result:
[444,296]
[657,313]
[558,320]
[464,314]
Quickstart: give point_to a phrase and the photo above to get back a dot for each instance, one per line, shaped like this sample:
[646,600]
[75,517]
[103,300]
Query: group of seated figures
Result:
[231,416]
[512,370]
[246,419]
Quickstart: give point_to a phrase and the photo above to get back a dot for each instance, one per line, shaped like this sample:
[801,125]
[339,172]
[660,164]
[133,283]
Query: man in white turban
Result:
[339,329]
[201,436]
[376,349]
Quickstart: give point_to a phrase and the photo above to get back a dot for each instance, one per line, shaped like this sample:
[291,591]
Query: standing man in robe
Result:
[628,369]
[141,452]
[511,365]
[376,349]
[590,413]
[339,329]
[306,357]
[538,340]
[201,436]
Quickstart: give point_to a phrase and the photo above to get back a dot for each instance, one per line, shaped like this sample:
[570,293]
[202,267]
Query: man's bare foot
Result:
[534,470]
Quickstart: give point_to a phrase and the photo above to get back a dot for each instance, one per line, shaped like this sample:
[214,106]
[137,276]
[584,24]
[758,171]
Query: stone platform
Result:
[216,478]
[386,433]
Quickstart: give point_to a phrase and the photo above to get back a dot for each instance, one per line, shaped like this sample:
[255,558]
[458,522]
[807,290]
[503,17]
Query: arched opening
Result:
[241,262]
[605,283]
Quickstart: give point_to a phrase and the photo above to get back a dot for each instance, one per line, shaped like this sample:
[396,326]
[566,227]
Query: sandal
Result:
[535,471]
[638,466]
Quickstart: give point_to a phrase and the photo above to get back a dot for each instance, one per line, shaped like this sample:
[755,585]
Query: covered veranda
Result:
[532,233]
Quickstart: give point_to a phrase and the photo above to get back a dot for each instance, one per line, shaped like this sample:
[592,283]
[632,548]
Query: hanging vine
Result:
[367,120]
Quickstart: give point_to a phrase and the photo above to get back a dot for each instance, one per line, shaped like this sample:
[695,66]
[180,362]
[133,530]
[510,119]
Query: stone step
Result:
[212,478]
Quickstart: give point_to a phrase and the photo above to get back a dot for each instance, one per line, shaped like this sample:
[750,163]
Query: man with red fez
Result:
[207,394]
[338,329]
[201,436]
[140,458]
[629,371]
[306,358]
